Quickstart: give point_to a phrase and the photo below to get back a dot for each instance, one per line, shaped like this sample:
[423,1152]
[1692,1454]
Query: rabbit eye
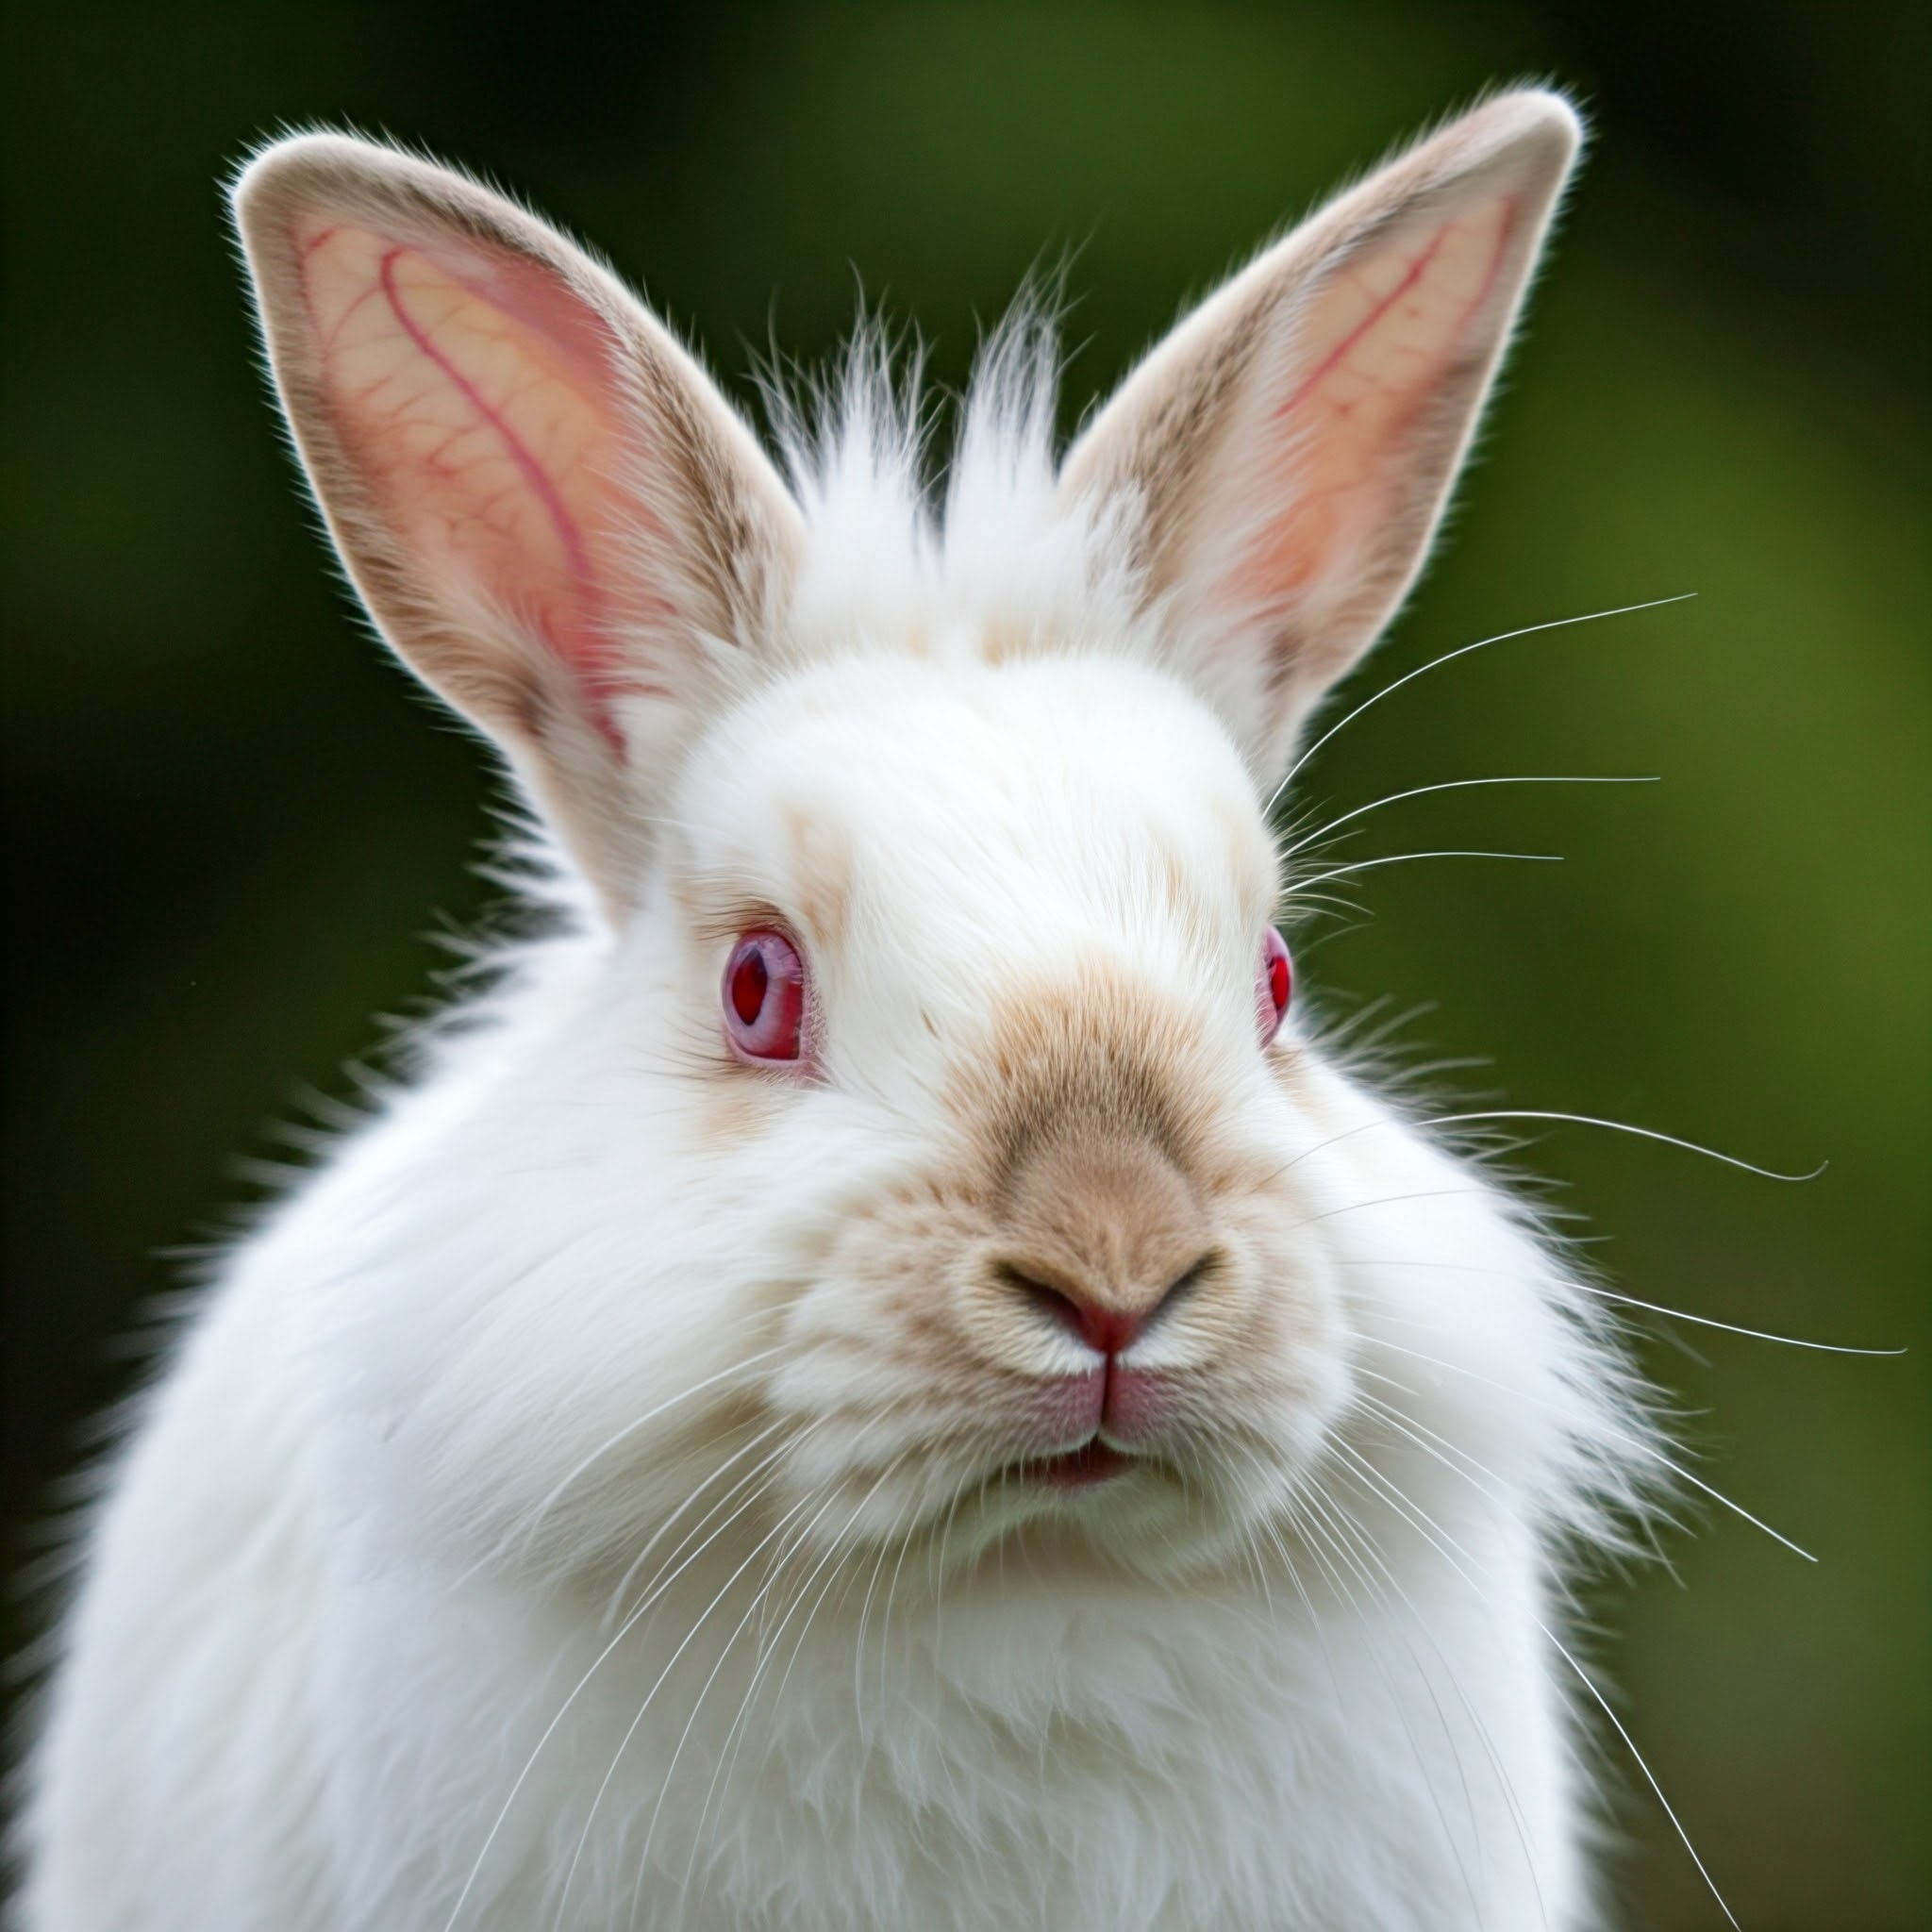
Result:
[1273,986]
[764,999]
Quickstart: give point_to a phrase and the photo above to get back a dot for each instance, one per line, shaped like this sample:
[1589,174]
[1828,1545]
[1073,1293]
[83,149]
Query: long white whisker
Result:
[1319,1521]
[1637,1443]
[617,1637]
[733,1744]
[1518,1818]
[1523,1113]
[664,1789]
[644,1421]
[1406,857]
[1344,1530]
[724,1501]
[1409,1426]
[1449,657]
[1321,832]
[1380,1201]
[865,1613]
[684,1643]
[1587,1120]
[1402,1503]
[1634,1302]
[610,1772]
[905,1541]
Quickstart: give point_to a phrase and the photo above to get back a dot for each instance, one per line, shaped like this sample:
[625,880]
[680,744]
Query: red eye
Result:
[764,999]
[1273,986]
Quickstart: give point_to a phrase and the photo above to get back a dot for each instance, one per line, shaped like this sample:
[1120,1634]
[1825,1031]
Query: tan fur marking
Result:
[820,874]
[1093,1050]
[740,1105]
[1005,640]
[1103,1220]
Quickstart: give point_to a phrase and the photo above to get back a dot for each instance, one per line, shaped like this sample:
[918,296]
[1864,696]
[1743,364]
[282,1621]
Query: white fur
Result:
[354,1642]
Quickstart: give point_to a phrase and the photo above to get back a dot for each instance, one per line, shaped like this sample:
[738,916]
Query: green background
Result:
[231,833]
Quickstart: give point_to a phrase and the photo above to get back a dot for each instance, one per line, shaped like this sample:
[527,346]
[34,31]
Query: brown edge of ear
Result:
[701,474]
[415,201]
[499,681]
[1164,422]
[719,484]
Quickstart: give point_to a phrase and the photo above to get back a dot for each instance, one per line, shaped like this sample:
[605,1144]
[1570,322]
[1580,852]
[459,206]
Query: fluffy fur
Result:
[602,1493]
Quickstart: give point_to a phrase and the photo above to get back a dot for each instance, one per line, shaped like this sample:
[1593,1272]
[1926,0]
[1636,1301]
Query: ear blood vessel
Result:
[854,1391]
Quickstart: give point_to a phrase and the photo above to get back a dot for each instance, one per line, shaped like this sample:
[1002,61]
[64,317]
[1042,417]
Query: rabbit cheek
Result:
[1292,1368]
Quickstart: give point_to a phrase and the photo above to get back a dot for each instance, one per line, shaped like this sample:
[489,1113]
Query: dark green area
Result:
[229,823]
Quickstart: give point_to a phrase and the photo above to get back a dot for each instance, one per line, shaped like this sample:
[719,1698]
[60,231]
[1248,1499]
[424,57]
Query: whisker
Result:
[1453,785]
[610,1772]
[1634,1302]
[644,1422]
[691,1721]
[1406,857]
[1380,1199]
[767,1647]
[1729,1328]
[904,1540]
[1366,1542]
[549,1730]
[1379,1035]
[886,1550]
[1449,657]
[1321,1522]
[724,1501]
[1520,1113]
[1635,1442]
[1334,1516]
[1402,1504]
[657,1684]
[1587,1120]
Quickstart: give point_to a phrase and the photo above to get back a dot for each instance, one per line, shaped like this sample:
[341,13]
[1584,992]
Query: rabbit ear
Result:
[549,510]
[1284,456]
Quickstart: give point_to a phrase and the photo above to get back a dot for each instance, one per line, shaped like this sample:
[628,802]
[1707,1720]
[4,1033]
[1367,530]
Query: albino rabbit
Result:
[878,1379]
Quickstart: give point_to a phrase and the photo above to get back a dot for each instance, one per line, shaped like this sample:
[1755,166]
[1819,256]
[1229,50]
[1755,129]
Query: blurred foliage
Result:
[227,829]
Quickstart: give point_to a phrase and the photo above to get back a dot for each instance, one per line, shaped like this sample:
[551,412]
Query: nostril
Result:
[1057,1304]
[1195,1275]
[1107,1328]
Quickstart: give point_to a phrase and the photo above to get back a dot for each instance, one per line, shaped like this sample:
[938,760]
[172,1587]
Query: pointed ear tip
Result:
[1537,120]
[294,155]
[320,163]
[279,170]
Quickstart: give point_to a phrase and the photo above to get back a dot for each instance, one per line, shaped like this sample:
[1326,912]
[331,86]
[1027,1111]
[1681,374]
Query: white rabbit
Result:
[878,1379]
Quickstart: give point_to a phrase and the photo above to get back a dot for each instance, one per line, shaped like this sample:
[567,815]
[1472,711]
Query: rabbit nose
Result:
[1102,1235]
[1108,1328]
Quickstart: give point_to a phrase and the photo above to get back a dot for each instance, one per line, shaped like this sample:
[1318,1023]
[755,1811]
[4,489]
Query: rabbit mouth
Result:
[1093,1463]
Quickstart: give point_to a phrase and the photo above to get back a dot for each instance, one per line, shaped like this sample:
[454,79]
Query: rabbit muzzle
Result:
[1103,1237]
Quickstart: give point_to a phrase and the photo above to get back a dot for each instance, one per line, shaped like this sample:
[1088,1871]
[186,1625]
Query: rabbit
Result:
[879,1374]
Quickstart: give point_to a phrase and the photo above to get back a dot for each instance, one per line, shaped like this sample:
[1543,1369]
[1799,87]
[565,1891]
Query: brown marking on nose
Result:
[1085,1058]
[1101,1232]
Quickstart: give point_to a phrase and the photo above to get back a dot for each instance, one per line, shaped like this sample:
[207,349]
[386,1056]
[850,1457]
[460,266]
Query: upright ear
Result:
[1283,457]
[549,510]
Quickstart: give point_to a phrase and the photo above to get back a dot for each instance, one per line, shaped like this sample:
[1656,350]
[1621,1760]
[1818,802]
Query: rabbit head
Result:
[916,1137]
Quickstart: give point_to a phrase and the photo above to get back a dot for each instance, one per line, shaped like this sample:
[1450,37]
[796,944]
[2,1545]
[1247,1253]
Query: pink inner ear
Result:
[1373,351]
[477,396]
